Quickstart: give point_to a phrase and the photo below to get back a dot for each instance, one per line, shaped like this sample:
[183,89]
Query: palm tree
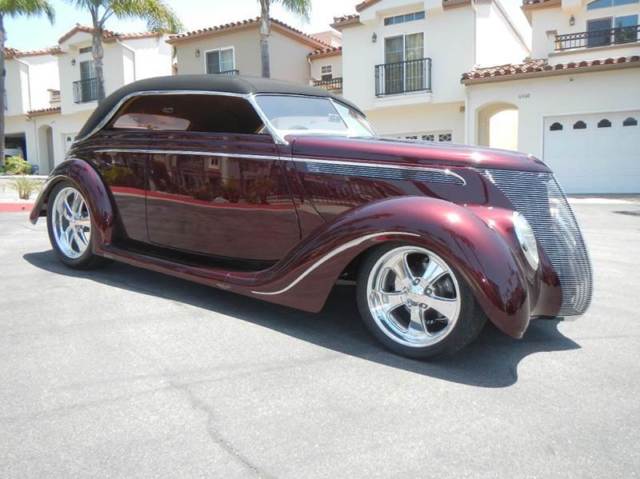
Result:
[300,7]
[158,15]
[14,8]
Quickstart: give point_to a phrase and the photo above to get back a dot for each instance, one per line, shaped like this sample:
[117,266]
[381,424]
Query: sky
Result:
[37,33]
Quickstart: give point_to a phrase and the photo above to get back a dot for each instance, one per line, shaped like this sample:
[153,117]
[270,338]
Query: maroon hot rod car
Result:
[276,191]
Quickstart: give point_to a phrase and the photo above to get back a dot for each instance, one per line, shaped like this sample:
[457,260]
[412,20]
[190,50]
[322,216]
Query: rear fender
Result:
[82,175]
[485,260]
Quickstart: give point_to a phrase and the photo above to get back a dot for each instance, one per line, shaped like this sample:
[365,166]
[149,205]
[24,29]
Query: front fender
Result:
[484,259]
[89,183]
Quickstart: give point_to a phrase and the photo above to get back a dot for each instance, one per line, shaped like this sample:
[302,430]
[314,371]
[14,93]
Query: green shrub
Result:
[16,165]
[26,186]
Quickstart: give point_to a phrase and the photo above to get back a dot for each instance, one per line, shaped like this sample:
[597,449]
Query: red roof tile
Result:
[243,24]
[344,20]
[539,67]
[107,35]
[15,53]
[44,111]
[326,52]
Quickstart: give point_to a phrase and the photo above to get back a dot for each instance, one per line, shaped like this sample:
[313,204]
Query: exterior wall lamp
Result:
[374,37]
[73,62]
[572,20]
[197,53]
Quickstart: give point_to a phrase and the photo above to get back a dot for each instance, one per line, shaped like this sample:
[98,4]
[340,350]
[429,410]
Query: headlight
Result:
[527,239]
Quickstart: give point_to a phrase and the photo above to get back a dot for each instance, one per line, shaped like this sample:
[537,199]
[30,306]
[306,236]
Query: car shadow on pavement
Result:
[491,361]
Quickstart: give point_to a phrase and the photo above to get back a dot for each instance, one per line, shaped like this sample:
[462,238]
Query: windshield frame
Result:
[280,134]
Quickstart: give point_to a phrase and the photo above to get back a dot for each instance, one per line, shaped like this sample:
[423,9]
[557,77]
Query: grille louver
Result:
[540,199]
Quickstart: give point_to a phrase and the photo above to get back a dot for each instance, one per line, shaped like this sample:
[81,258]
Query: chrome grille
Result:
[540,199]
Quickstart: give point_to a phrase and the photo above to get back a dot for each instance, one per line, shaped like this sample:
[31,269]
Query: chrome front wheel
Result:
[415,302]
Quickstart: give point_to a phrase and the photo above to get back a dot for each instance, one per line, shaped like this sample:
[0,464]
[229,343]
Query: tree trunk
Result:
[265,30]
[3,75]
[98,55]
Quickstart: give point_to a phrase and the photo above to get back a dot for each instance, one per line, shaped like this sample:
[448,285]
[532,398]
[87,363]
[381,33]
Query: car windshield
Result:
[312,116]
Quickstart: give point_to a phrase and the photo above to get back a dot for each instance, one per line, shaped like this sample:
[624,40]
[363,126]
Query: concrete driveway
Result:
[127,373]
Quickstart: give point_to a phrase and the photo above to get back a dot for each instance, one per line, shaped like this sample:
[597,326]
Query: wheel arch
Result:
[486,262]
[84,177]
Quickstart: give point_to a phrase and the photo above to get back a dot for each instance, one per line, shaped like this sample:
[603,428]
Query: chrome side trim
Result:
[338,163]
[185,152]
[330,255]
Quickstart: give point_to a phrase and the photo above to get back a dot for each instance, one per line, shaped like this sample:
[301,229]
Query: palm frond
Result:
[299,7]
[27,8]
[158,15]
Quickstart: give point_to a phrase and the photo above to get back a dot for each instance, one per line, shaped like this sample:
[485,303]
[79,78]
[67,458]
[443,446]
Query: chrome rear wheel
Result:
[71,223]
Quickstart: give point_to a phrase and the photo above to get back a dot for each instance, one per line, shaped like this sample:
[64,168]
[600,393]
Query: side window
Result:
[197,113]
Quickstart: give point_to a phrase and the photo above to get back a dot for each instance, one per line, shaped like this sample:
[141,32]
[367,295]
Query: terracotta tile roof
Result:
[107,35]
[15,53]
[365,4]
[203,32]
[325,52]
[44,111]
[345,20]
[543,68]
[528,4]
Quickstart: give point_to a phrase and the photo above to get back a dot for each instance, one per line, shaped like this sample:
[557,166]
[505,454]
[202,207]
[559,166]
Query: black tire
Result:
[88,260]
[470,322]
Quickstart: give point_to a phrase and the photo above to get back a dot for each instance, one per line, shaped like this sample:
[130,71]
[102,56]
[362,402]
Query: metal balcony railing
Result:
[597,38]
[227,72]
[403,77]
[335,84]
[85,90]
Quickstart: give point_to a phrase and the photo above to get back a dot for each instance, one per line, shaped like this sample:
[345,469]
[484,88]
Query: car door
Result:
[216,185]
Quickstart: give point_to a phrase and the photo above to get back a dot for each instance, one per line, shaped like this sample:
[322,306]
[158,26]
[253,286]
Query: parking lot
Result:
[127,373]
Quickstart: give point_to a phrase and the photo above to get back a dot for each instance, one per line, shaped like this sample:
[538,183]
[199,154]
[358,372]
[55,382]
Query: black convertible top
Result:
[220,83]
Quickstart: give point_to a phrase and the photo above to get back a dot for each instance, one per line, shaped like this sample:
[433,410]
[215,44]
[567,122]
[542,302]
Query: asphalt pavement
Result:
[123,372]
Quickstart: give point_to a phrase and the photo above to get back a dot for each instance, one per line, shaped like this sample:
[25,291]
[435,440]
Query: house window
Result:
[604,123]
[220,61]
[409,17]
[556,126]
[599,32]
[326,73]
[626,29]
[579,125]
[608,3]
[438,137]
[630,122]
[86,89]
[403,69]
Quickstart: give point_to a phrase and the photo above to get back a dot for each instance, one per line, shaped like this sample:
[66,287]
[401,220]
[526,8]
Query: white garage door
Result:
[594,153]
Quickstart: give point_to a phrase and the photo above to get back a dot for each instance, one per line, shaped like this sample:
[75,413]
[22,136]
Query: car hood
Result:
[411,153]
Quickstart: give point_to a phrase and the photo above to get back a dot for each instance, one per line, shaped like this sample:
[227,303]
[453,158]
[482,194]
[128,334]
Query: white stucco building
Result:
[577,102]
[51,93]
[402,61]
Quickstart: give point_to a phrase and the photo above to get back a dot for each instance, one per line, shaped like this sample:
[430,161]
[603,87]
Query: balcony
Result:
[85,91]
[403,77]
[333,85]
[597,38]
[226,72]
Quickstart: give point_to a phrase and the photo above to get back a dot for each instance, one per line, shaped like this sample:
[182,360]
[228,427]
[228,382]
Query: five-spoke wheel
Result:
[415,302]
[70,227]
